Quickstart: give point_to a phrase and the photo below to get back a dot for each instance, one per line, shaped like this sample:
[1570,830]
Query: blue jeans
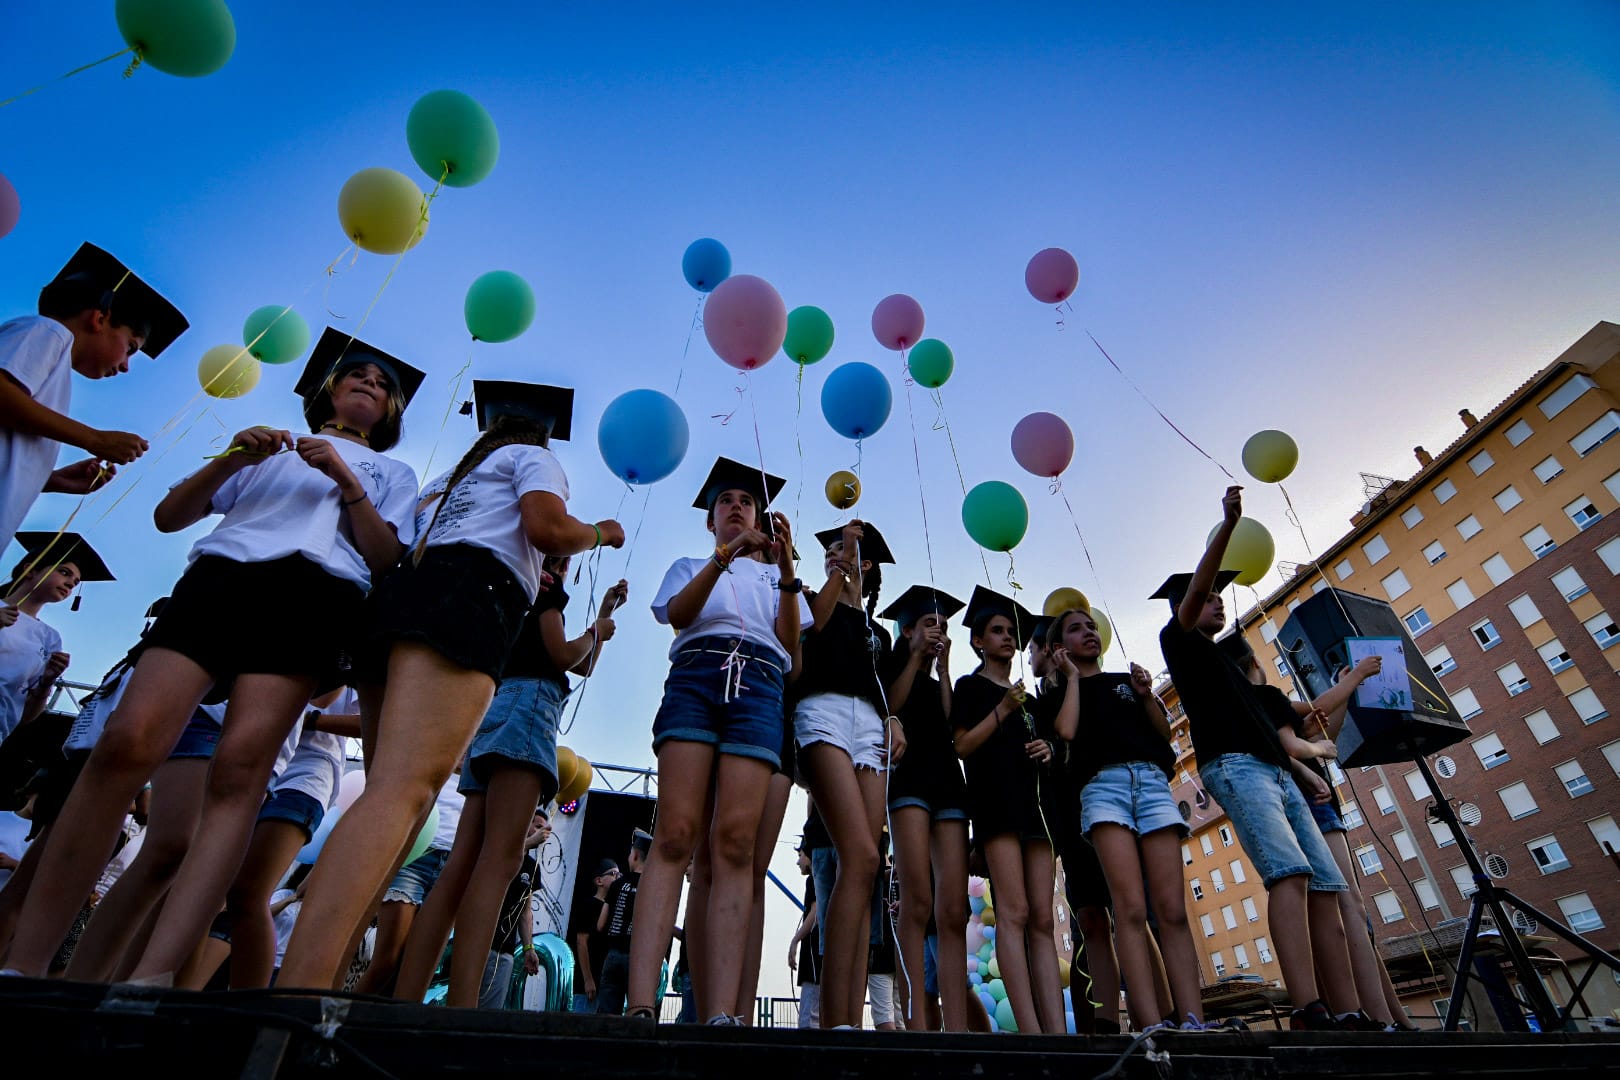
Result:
[615,984]
[1272,820]
[824,873]
[725,692]
[1135,795]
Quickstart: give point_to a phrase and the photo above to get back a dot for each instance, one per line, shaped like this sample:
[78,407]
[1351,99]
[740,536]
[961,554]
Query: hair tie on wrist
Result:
[357,499]
[598,543]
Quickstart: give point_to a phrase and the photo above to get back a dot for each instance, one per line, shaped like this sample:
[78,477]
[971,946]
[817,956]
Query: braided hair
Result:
[505,430]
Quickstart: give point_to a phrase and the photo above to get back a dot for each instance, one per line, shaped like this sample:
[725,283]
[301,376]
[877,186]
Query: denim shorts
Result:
[198,740]
[1135,795]
[824,874]
[1327,818]
[1272,820]
[849,723]
[298,807]
[931,964]
[943,813]
[519,728]
[415,879]
[727,693]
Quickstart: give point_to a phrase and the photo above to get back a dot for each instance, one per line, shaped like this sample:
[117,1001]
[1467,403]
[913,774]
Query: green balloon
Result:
[424,836]
[275,334]
[997,989]
[446,128]
[931,363]
[1004,1015]
[179,37]
[499,307]
[809,335]
[995,515]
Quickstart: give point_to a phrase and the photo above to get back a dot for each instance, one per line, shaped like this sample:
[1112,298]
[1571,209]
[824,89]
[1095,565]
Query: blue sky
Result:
[1345,223]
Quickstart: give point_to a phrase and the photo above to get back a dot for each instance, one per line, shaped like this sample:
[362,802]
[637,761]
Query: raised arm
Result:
[189,501]
[1203,582]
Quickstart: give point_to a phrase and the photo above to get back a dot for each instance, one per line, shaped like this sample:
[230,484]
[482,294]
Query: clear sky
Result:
[1346,223]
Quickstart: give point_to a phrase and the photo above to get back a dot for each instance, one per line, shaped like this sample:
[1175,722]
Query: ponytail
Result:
[506,430]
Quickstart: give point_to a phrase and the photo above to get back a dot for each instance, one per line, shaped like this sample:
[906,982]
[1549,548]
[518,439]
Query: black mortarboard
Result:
[549,407]
[1237,648]
[641,840]
[1175,586]
[985,601]
[50,549]
[1043,623]
[874,548]
[130,300]
[157,607]
[337,350]
[729,475]
[920,600]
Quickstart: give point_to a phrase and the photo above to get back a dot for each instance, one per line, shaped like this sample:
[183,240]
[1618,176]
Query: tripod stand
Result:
[1490,896]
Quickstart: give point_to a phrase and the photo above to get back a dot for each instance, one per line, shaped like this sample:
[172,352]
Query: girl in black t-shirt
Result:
[1006,759]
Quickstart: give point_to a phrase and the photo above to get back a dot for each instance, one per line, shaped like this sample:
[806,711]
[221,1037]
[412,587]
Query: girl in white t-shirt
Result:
[267,604]
[31,656]
[440,631]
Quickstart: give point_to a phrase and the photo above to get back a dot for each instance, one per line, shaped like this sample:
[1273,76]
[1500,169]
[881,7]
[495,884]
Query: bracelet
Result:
[722,556]
[598,543]
[357,499]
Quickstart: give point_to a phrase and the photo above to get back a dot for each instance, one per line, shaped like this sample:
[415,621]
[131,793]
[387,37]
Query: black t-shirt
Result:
[1004,782]
[809,956]
[517,899]
[1115,728]
[930,768]
[815,831]
[621,905]
[529,659]
[1281,709]
[845,657]
[1223,711]
[595,942]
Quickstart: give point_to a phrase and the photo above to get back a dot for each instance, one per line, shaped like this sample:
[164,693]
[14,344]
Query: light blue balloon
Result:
[310,851]
[706,264]
[976,904]
[995,1029]
[1068,1021]
[989,1004]
[643,436]
[989,933]
[856,400]
[975,978]
[986,951]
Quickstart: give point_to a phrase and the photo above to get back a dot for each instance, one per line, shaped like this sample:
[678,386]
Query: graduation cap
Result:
[109,286]
[986,603]
[729,475]
[337,351]
[641,840]
[1176,585]
[548,407]
[157,607]
[50,550]
[920,600]
[873,546]
[1043,623]
[606,866]
[1237,648]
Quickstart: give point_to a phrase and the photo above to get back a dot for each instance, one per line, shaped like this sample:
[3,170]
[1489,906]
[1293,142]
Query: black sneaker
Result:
[1314,1017]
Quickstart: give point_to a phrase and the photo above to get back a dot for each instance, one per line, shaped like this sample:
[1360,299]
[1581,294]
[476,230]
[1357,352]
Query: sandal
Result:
[641,1012]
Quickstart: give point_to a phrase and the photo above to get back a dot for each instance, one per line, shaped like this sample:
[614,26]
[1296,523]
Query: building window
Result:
[1611,753]
[1611,483]
[1549,856]
[1610,554]
[1281,665]
[1389,906]
[1582,512]
[1524,610]
[1555,656]
[1375,549]
[1318,585]
[1239,875]
[1596,435]
[1548,470]
[1228,917]
[1574,778]
[1216,880]
[1497,569]
[1344,570]
[1186,855]
[1539,541]
[1513,678]
[1411,516]
[1518,800]
[1463,878]
[1207,844]
[1569,583]
[1602,629]
[1241,955]
[1444,491]
[1587,706]
[1197,889]
[1416,785]
[1426,894]
[1252,913]
[1396,585]
[1579,913]
[1519,432]
[1489,750]
[1485,634]
[1541,726]
[1262,948]
[1416,621]
[1469,527]
[1480,462]
[1507,499]
[1403,844]
[1439,660]
[1350,813]
[1207,924]
[1441,834]
[1226,835]
[1460,593]
[1434,553]
[1268,631]
[1367,856]
[1605,832]
[1561,398]
[1218,962]
[1465,701]
[1383,800]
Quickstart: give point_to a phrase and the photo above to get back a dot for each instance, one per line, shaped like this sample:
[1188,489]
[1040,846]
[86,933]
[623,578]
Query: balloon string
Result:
[1096,577]
[697,321]
[591,563]
[416,234]
[759,448]
[1139,393]
[1292,515]
[916,461]
[82,68]
[353,251]
[798,445]
[455,392]
[943,421]
[641,519]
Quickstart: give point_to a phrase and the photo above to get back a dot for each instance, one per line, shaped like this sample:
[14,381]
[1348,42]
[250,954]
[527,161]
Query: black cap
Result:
[50,549]
[920,600]
[1176,585]
[1237,648]
[986,601]
[129,299]
[157,607]
[339,351]
[641,840]
[729,475]
[606,866]
[549,407]
[1043,623]
[874,548]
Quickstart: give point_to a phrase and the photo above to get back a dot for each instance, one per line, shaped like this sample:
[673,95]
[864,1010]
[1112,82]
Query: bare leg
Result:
[16,888]
[740,791]
[1286,914]
[247,905]
[950,919]
[837,791]
[1161,856]
[508,808]
[1005,857]
[1045,982]
[914,863]
[430,930]
[770,827]
[204,961]
[1365,965]
[1330,952]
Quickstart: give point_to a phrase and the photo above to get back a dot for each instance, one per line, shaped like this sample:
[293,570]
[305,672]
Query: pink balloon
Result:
[745,321]
[10,206]
[897,322]
[1052,275]
[975,886]
[1043,444]
[349,789]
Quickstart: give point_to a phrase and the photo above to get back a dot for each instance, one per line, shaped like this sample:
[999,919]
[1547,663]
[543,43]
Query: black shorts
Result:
[461,601]
[283,617]
[1083,880]
[51,786]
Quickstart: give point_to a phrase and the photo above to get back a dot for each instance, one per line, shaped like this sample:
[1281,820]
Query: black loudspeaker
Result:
[1313,643]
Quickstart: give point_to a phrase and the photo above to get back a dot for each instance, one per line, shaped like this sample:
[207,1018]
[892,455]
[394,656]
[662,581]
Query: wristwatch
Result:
[791,586]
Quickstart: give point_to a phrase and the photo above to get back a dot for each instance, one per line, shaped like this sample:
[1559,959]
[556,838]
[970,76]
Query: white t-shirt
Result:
[38,354]
[483,509]
[95,710]
[25,646]
[741,604]
[13,839]
[134,836]
[286,919]
[282,507]
[449,802]
[315,769]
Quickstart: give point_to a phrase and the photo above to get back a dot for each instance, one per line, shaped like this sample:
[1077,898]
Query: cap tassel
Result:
[467,407]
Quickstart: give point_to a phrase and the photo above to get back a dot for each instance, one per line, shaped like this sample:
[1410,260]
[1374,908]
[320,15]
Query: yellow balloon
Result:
[567,766]
[988,915]
[1065,599]
[1105,629]
[580,785]
[383,211]
[1250,552]
[843,489]
[1063,972]
[228,371]
[1270,456]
